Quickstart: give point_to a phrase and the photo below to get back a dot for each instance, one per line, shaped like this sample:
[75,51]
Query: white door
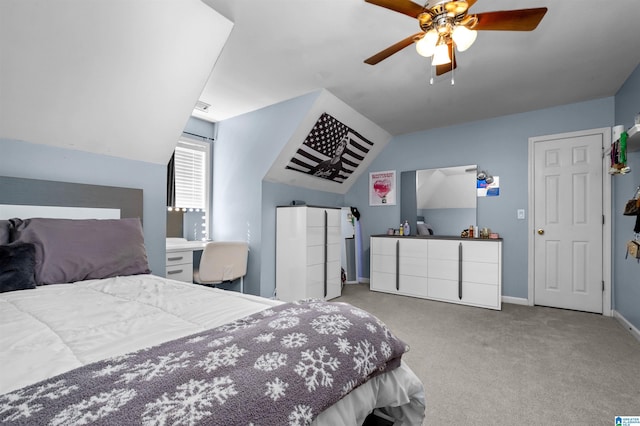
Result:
[568,221]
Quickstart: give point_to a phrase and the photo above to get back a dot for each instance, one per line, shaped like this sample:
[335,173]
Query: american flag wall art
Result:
[332,150]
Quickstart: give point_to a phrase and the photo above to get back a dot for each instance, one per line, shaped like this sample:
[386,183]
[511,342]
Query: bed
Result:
[88,335]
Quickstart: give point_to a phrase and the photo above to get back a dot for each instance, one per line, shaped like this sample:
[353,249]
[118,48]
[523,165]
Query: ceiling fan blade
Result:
[510,20]
[402,6]
[445,68]
[380,56]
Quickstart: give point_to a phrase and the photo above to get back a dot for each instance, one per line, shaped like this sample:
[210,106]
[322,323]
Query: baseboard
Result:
[363,280]
[626,324]
[515,300]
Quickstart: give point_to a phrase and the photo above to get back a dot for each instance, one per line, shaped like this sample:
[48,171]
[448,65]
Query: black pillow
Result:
[4,232]
[17,266]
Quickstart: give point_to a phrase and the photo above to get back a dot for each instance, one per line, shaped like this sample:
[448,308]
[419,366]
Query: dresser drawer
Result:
[179,258]
[180,273]
[180,265]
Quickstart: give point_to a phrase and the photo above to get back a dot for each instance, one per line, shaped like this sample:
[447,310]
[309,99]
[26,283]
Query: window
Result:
[191,183]
[191,175]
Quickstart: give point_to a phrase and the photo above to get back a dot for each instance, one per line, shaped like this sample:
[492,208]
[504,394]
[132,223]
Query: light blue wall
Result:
[626,277]
[246,146]
[31,161]
[499,146]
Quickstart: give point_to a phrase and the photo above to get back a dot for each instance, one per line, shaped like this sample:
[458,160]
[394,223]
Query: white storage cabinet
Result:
[308,252]
[465,271]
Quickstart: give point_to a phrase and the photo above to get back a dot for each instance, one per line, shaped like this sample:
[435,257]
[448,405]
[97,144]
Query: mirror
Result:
[443,199]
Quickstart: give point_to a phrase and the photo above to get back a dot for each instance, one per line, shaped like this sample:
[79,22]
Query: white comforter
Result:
[56,328]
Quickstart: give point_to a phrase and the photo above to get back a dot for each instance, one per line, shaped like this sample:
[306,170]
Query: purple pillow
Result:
[17,267]
[4,232]
[69,250]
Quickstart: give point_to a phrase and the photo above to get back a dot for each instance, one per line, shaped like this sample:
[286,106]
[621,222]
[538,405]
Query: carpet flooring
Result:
[519,366]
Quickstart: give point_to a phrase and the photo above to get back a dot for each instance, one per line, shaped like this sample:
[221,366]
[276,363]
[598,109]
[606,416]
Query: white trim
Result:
[626,324]
[607,228]
[8,211]
[515,300]
[606,211]
[363,280]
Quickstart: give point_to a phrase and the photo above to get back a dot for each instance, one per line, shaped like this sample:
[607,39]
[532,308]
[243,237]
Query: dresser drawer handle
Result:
[171,259]
[177,271]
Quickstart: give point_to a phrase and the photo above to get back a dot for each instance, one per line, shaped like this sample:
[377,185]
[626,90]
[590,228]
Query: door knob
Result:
[541,231]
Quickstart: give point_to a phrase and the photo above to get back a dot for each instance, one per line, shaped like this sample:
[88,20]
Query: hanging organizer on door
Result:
[618,152]
[632,208]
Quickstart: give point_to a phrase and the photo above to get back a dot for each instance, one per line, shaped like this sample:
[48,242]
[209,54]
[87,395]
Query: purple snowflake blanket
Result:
[281,366]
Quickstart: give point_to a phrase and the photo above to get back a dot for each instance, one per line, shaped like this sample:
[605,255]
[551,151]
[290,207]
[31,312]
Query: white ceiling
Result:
[280,49]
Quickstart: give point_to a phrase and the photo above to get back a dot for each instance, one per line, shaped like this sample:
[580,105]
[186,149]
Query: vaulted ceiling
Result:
[280,49]
[121,78]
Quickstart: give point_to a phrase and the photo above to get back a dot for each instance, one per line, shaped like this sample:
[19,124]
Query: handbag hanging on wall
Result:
[632,208]
[633,250]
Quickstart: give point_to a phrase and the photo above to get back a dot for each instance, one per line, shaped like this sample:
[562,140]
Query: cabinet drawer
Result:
[315,273]
[381,281]
[443,289]
[315,279]
[315,217]
[409,247]
[408,265]
[413,266]
[477,272]
[384,246]
[443,249]
[315,290]
[180,273]
[480,251]
[480,294]
[315,235]
[179,258]
[381,263]
[413,286]
[315,254]
[443,268]
[472,293]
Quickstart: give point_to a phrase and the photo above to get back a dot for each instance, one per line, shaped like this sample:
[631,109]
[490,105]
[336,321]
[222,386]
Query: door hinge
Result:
[602,286]
[603,219]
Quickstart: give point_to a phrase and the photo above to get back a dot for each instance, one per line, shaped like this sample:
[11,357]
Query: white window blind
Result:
[190,176]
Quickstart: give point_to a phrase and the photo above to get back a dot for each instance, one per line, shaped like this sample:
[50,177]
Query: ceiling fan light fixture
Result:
[463,37]
[441,55]
[426,46]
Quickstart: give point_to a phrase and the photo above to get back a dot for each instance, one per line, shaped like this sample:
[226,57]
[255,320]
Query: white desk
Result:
[179,258]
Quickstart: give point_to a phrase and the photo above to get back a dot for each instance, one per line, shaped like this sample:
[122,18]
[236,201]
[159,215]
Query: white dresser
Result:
[449,269]
[308,253]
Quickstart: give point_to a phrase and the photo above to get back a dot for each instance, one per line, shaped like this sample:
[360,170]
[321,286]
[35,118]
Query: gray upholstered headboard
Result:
[51,193]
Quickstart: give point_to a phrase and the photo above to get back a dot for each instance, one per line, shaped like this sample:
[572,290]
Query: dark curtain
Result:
[171,181]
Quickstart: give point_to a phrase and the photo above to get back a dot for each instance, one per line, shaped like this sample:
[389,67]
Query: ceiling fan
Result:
[446,24]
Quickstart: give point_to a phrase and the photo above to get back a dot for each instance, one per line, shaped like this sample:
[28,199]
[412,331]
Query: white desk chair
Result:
[222,261]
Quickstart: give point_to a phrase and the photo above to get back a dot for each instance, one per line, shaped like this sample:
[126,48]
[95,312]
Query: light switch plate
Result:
[520,213]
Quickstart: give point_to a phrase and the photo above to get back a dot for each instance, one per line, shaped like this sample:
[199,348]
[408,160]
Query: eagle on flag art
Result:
[332,150]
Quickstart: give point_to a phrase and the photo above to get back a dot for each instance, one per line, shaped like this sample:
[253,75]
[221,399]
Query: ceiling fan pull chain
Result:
[431,79]
[453,61]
